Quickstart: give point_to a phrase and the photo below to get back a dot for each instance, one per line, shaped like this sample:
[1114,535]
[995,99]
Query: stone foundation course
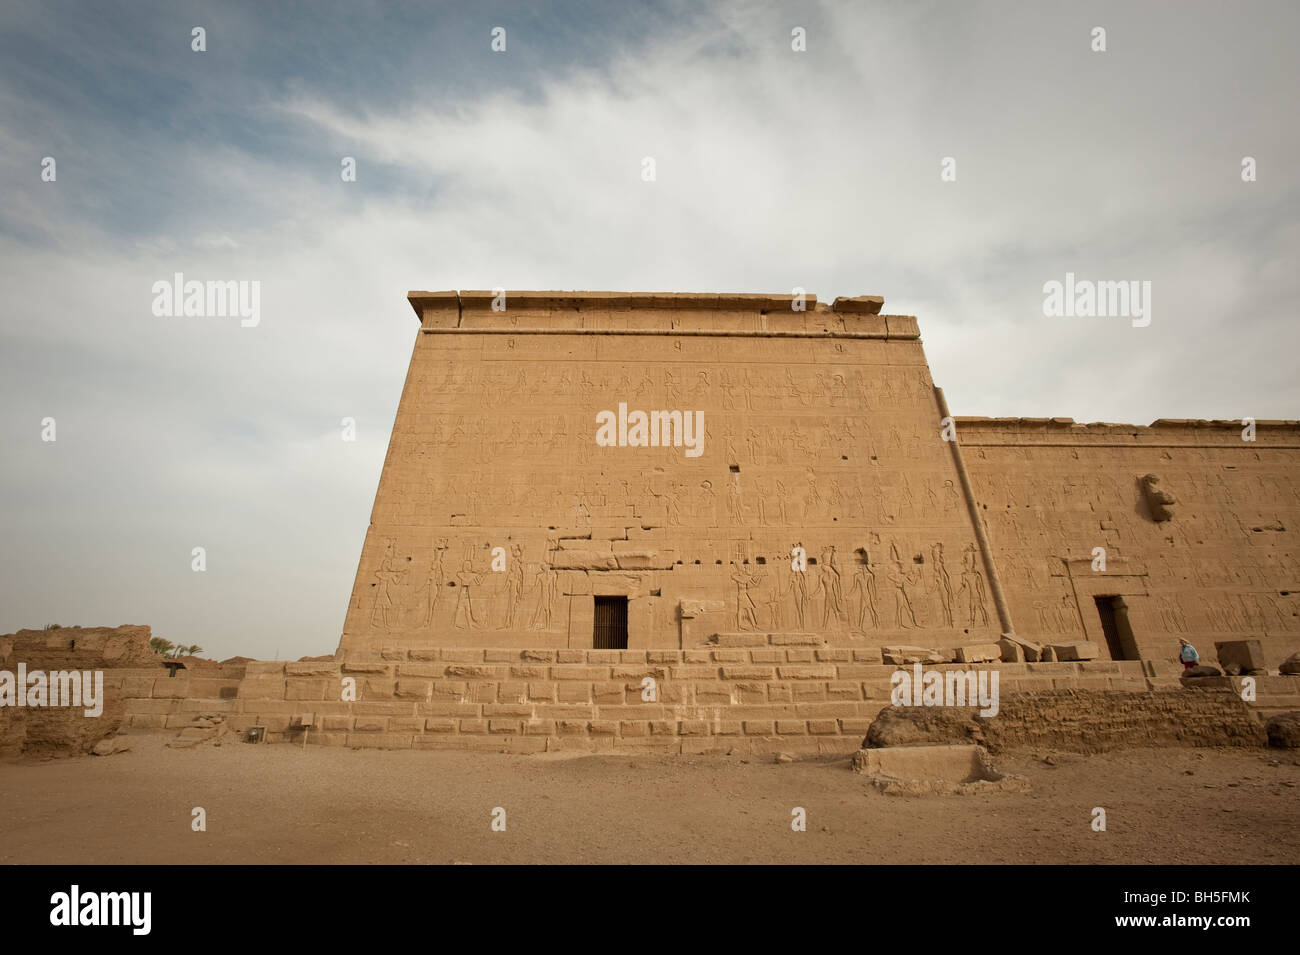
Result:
[796,700]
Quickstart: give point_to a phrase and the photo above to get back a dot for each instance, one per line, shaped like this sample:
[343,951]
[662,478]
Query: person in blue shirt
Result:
[1188,655]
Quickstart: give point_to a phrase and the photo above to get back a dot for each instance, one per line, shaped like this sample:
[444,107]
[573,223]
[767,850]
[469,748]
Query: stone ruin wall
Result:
[1224,565]
[62,730]
[1083,720]
[821,430]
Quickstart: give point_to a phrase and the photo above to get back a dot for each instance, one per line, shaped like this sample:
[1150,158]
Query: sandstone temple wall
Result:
[820,430]
[1222,564]
[501,522]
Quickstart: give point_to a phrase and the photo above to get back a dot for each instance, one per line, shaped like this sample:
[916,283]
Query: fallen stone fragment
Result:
[111,745]
[1284,730]
[980,653]
[1076,650]
[1240,656]
[1018,650]
[905,655]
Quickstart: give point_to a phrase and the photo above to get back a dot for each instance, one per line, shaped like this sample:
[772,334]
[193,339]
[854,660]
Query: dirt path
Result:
[277,803]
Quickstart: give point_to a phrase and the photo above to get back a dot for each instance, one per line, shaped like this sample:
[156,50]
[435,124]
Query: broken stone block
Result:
[905,654]
[980,653]
[1246,656]
[1291,665]
[935,770]
[1018,650]
[864,304]
[1076,650]
[1201,671]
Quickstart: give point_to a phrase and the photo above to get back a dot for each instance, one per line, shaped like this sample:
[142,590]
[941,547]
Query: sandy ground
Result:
[280,804]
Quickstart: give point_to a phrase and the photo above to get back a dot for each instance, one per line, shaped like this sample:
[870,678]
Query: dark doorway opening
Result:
[1115,625]
[610,624]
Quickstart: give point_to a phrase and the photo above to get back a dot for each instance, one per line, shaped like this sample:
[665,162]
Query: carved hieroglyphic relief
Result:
[1203,573]
[798,458]
[827,442]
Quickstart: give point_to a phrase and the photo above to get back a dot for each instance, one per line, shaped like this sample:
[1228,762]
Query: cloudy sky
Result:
[522,169]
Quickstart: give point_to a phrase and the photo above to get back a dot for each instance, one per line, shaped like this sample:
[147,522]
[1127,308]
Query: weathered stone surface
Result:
[1291,665]
[584,560]
[935,770]
[696,607]
[13,731]
[1284,730]
[79,648]
[795,639]
[111,745]
[1199,672]
[203,729]
[1083,721]
[905,655]
[740,639]
[68,730]
[917,725]
[1159,501]
[983,653]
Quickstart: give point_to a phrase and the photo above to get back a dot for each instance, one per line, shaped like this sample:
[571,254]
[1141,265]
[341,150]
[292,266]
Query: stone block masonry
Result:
[747,700]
